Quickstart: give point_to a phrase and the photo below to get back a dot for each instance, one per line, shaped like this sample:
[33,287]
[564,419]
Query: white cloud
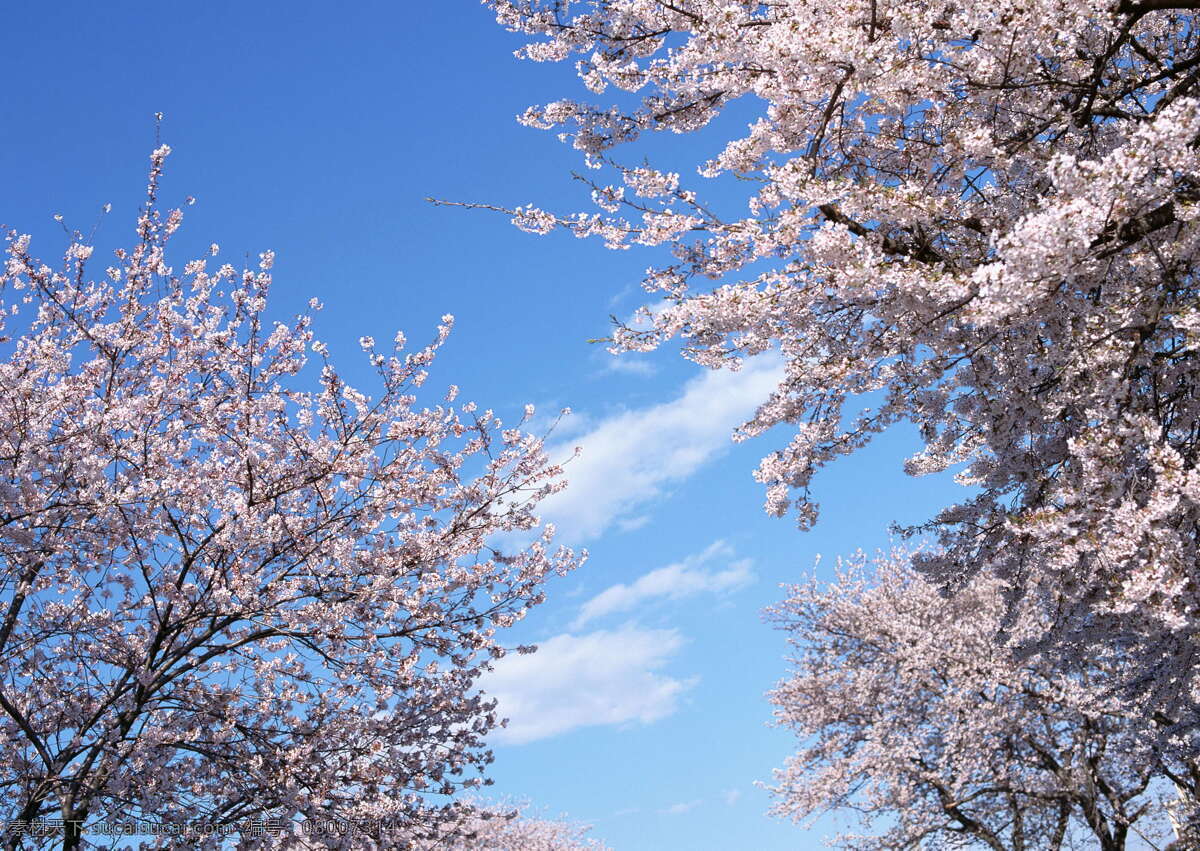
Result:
[628,365]
[732,796]
[680,809]
[682,579]
[630,457]
[628,524]
[602,677]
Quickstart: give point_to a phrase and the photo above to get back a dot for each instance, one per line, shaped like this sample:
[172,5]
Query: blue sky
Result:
[317,130]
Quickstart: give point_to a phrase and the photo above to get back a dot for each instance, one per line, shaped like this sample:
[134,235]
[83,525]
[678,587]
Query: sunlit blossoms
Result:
[496,828]
[235,587]
[980,215]
[911,715]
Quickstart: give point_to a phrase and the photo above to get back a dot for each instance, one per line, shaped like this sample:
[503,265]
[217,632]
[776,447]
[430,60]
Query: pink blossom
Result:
[213,569]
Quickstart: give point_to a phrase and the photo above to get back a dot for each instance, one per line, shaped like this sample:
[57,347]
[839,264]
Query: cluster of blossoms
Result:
[496,828]
[911,714]
[982,216]
[226,596]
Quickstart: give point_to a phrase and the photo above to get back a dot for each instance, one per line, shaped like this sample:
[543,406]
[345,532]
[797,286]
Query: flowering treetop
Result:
[910,715]
[984,215]
[228,595]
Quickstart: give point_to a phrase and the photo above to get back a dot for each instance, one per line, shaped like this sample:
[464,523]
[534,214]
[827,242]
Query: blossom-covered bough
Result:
[912,716]
[229,600]
[981,214]
[491,827]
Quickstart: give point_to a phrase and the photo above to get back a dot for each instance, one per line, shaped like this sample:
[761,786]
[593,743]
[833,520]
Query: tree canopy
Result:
[237,588]
[979,217]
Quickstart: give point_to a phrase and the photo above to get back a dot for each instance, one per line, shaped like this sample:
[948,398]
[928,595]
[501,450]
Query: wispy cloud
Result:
[629,458]
[680,809]
[732,796]
[611,676]
[629,365]
[601,677]
[675,581]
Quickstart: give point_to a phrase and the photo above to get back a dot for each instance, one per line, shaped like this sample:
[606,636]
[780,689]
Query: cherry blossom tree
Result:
[978,218]
[235,588]
[911,715]
[499,828]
